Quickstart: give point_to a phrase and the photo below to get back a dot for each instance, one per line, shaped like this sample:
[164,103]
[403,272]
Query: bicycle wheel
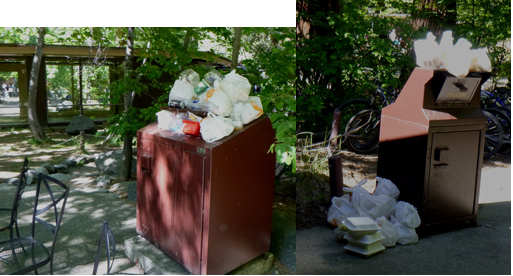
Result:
[362,131]
[493,135]
[350,108]
[505,122]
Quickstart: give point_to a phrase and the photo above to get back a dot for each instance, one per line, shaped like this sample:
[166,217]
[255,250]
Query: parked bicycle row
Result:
[360,120]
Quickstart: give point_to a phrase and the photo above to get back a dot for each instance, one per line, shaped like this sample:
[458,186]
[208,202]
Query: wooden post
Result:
[336,176]
[335,127]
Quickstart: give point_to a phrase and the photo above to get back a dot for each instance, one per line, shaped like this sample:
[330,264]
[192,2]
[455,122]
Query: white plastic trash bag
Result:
[249,110]
[182,90]
[428,53]
[406,235]
[341,208]
[373,206]
[406,214]
[458,58]
[169,121]
[219,98]
[236,87]
[388,231]
[480,61]
[386,187]
[213,128]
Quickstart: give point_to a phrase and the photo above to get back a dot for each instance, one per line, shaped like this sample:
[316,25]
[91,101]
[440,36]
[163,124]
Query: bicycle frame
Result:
[495,100]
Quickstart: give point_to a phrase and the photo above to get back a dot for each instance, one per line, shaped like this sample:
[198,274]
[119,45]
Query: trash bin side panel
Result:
[148,195]
[178,140]
[403,161]
[241,199]
[154,203]
[170,184]
[185,192]
[452,175]
[395,128]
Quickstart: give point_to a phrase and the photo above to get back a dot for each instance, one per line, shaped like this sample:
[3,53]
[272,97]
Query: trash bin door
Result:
[184,191]
[452,177]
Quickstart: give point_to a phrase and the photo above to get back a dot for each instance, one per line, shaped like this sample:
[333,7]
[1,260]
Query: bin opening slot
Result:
[456,91]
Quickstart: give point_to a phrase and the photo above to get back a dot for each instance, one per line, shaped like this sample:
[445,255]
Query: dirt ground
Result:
[313,188]
[16,144]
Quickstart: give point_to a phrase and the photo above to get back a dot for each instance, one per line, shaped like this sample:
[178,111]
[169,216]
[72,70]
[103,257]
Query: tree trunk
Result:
[433,16]
[187,38]
[127,141]
[236,47]
[35,126]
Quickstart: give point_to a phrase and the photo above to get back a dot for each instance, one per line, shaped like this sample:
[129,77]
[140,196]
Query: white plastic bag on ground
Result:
[249,110]
[341,208]
[406,235]
[386,187]
[236,87]
[373,206]
[219,98]
[388,231]
[213,128]
[406,214]
[182,90]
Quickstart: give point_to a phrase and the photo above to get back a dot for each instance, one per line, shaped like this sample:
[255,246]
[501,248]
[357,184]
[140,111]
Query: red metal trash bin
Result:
[431,145]
[207,205]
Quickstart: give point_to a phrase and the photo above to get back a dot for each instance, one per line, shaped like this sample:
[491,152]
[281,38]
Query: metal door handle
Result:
[146,163]
[440,154]
[440,166]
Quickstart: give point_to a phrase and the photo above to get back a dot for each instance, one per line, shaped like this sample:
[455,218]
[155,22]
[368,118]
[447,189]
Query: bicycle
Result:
[494,135]
[361,133]
[498,104]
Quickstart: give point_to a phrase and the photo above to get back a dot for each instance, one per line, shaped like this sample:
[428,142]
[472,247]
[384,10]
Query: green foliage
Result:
[273,70]
[158,67]
[349,38]
[163,53]
[488,24]
[344,54]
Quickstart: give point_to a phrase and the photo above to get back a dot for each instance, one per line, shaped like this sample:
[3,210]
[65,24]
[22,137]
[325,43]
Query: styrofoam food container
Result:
[364,239]
[366,251]
[361,225]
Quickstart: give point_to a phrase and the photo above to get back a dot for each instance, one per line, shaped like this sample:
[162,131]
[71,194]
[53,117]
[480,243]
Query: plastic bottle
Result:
[207,81]
[200,105]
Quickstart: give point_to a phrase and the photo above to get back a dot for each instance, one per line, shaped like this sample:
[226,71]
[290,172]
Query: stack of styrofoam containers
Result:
[363,236]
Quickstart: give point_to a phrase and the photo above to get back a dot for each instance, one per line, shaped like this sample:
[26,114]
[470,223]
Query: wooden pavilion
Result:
[18,58]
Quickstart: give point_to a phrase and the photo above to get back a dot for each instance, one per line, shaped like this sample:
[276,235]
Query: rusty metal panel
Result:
[207,205]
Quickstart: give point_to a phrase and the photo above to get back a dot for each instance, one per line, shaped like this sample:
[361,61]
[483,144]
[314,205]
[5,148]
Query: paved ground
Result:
[485,249]
[477,250]
[87,208]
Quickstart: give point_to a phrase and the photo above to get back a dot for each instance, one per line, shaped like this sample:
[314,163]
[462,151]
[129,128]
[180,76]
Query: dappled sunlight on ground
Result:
[7,175]
[86,209]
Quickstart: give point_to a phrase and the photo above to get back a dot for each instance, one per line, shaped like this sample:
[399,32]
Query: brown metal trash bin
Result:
[207,205]
[431,145]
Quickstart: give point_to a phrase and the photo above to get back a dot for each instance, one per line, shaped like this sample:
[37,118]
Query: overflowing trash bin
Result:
[431,145]
[205,186]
